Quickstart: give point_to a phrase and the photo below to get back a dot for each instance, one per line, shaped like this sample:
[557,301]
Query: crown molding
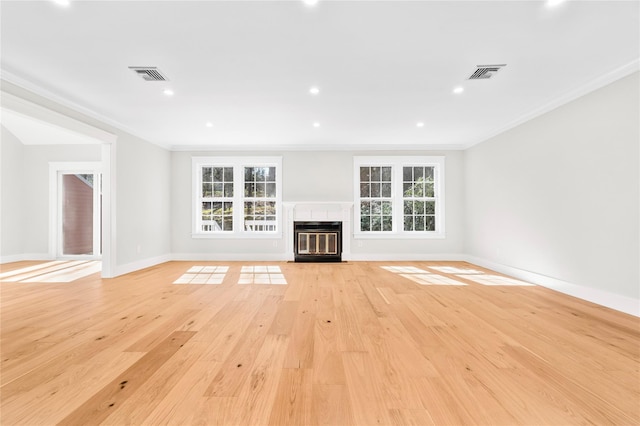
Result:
[316,147]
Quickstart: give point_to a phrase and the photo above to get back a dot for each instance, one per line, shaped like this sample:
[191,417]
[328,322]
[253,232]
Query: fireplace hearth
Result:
[317,241]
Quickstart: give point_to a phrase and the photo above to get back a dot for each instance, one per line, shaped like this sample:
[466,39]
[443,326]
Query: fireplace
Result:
[317,241]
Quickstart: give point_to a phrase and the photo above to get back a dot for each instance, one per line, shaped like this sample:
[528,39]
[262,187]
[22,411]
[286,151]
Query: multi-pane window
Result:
[236,195]
[399,196]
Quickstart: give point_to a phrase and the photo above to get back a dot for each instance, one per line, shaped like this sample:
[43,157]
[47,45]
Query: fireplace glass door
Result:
[318,243]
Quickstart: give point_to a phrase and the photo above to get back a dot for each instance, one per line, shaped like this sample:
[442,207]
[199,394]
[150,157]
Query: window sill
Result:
[399,236]
[238,236]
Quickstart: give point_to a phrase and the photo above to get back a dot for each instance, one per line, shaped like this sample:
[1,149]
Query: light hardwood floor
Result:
[342,344]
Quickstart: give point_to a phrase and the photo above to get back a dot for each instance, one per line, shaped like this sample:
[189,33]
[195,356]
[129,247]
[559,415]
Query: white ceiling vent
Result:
[486,71]
[149,73]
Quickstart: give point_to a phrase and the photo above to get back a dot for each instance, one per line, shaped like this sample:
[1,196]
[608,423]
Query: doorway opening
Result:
[81,214]
[76,211]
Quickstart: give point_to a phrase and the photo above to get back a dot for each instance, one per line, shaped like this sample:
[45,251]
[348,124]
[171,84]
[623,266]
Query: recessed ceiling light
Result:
[316,124]
[458,90]
[554,3]
[310,3]
[420,124]
[209,124]
[63,3]
[168,92]
[314,90]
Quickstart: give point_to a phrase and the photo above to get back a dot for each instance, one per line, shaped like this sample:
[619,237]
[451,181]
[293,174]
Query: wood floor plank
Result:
[256,398]
[174,321]
[284,320]
[410,417]
[331,406]
[52,399]
[587,396]
[327,360]
[185,403]
[293,402]
[441,404]
[237,367]
[97,408]
[366,392]
[136,408]
[301,346]
[350,337]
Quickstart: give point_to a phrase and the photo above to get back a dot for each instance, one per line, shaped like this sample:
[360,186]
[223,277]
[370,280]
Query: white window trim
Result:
[238,164]
[397,163]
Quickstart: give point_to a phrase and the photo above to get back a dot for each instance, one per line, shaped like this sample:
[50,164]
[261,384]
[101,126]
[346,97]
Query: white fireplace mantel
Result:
[319,211]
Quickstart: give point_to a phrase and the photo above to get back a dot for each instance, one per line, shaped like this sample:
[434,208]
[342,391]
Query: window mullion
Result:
[199,199]
[238,199]
[398,201]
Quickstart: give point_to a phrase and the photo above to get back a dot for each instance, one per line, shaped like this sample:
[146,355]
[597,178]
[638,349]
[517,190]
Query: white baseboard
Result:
[614,301]
[401,257]
[283,257]
[22,257]
[141,264]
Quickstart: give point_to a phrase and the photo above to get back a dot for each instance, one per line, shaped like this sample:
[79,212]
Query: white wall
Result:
[143,221]
[559,195]
[11,189]
[314,176]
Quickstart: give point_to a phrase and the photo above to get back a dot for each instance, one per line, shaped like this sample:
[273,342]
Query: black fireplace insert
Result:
[317,241]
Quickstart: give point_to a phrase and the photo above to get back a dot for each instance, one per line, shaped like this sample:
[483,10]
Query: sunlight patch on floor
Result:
[454,270]
[405,270]
[203,275]
[58,271]
[431,279]
[30,269]
[261,275]
[485,279]
[421,276]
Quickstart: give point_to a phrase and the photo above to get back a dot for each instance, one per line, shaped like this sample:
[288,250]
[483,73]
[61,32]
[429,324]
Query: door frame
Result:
[56,171]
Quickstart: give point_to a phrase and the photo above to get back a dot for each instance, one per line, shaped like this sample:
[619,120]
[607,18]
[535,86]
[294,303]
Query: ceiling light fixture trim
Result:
[554,3]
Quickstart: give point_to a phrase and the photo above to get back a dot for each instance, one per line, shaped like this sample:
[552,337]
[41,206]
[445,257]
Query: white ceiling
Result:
[381,66]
